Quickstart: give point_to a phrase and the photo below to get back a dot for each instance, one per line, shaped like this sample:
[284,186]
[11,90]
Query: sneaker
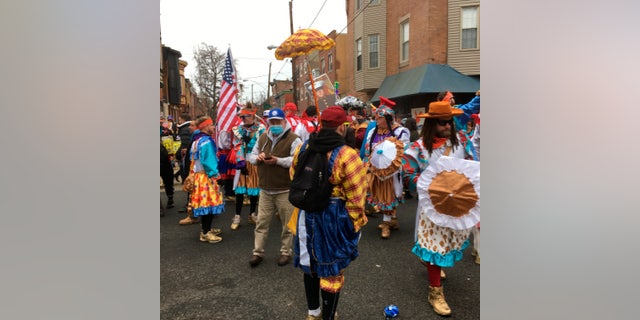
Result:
[235,223]
[209,237]
[310,317]
[189,220]
[170,203]
[253,218]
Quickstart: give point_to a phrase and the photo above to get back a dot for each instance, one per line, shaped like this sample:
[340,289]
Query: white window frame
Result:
[374,51]
[330,59]
[404,40]
[464,25]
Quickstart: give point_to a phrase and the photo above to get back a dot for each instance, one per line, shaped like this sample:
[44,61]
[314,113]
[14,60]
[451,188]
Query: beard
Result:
[444,133]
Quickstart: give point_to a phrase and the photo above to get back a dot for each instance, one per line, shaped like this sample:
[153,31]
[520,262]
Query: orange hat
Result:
[441,109]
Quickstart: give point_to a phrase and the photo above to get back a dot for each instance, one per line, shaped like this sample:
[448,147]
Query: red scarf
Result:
[438,142]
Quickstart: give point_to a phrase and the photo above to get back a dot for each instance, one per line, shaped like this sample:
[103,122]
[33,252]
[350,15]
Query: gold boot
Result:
[394,223]
[436,299]
[386,231]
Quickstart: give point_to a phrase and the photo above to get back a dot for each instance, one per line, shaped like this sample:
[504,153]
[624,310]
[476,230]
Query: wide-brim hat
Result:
[440,109]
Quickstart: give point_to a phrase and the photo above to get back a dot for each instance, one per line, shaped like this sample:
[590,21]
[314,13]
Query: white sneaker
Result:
[235,223]
[253,218]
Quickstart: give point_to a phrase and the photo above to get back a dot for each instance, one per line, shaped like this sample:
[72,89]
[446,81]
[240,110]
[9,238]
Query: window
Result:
[404,41]
[330,58]
[469,24]
[375,1]
[358,4]
[358,54]
[322,70]
[373,50]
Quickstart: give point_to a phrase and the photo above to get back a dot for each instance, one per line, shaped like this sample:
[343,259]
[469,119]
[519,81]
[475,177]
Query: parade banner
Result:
[324,90]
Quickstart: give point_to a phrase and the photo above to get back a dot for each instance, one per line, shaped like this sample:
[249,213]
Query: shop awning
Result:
[427,78]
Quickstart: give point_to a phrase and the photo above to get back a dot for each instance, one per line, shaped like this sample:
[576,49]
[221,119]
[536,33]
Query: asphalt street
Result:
[214,281]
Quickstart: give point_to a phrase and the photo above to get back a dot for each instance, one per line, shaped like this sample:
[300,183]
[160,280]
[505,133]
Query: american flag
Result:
[228,92]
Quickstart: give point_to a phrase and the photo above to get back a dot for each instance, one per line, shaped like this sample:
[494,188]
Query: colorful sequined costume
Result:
[244,138]
[206,197]
[434,244]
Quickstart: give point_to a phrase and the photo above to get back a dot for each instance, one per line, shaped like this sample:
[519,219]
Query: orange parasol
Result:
[301,43]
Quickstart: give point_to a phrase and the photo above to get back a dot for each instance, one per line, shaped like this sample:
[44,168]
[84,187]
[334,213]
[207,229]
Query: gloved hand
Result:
[241,164]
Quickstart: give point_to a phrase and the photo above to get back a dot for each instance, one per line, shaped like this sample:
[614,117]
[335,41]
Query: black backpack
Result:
[310,188]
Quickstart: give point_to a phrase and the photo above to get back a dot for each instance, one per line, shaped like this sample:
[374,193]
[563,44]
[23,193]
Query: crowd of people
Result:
[260,158]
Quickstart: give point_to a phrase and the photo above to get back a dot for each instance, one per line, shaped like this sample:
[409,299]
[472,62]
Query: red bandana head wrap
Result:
[204,124]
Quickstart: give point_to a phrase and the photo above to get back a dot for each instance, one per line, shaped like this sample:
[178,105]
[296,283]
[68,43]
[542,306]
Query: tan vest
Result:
[275,177]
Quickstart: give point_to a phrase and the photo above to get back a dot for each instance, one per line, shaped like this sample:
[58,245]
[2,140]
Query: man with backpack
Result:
[272,154]
[327,229]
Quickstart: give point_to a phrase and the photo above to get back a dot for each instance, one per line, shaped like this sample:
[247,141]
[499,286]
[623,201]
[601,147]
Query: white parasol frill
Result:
[386,157]
[449,192]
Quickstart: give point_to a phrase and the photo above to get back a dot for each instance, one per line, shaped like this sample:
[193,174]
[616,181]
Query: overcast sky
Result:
[248,27]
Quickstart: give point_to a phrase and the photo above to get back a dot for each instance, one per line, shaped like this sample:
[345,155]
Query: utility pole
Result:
[294,76]
[269,85]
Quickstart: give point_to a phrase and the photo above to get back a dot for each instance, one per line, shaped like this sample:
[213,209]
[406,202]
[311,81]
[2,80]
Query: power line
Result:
[317,14]
[350,22]
[356,15]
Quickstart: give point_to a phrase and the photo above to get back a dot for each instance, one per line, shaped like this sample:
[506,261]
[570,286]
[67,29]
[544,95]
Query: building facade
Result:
[398,41]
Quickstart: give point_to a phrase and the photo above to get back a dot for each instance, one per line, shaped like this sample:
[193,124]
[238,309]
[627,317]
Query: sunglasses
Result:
[445,122]
[244,116]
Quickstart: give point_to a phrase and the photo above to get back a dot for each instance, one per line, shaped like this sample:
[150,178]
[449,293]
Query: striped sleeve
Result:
[294,161]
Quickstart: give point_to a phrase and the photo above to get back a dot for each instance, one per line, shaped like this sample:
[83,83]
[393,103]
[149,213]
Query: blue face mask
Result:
[276,129]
